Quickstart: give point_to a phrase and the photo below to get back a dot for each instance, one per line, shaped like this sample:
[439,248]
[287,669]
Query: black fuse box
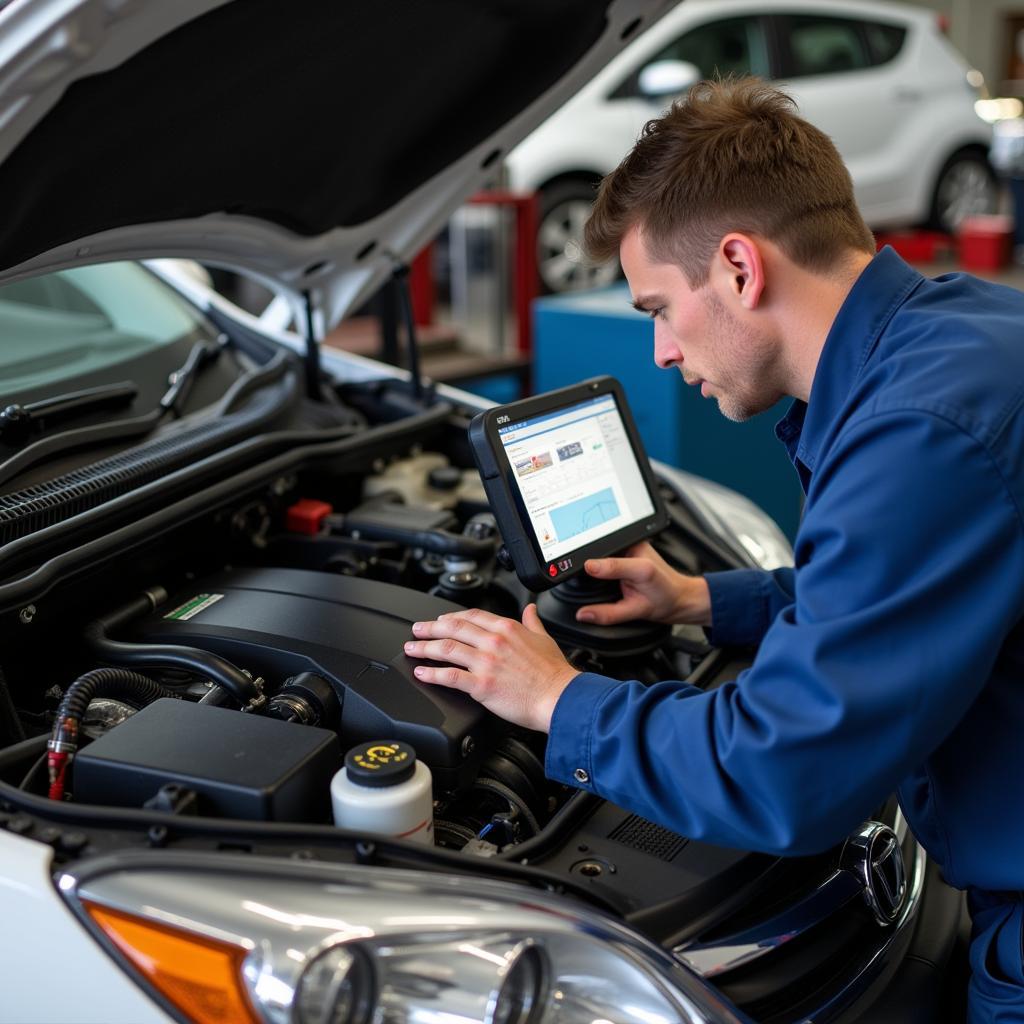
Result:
[240,765]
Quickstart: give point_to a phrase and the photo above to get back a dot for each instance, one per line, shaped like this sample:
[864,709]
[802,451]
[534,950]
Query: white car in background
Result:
[881,79]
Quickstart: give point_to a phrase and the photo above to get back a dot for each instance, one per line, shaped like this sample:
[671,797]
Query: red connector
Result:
[307,516]
[62,746]
[57,762]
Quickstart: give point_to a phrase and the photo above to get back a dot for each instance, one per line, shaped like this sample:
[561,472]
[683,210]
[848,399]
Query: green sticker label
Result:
[193,607]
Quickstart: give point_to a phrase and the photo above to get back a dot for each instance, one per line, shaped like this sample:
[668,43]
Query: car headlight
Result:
[250,940]
[748,529]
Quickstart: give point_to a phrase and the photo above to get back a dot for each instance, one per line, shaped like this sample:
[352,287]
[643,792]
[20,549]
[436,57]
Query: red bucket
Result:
[985,242]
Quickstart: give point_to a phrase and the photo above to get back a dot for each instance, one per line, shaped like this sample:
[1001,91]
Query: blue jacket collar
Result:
[881,289]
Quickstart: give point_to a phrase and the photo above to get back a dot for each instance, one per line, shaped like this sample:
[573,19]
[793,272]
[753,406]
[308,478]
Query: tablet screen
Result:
[577,474]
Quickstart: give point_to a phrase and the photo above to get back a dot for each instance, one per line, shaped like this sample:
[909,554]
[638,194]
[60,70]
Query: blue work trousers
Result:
[997,958]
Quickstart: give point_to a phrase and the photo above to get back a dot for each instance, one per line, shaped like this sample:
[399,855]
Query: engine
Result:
[260,673]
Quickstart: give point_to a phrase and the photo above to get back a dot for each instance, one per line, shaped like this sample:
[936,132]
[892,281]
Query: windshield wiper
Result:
[42,413]
[202,354]
[18,422]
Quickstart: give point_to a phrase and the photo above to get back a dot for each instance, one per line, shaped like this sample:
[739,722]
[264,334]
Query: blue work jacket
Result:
[892,655]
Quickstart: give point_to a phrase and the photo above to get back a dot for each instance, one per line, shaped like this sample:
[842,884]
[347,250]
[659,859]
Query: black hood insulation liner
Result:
[310,115]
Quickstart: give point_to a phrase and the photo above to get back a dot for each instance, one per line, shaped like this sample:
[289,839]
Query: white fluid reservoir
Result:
[385,790]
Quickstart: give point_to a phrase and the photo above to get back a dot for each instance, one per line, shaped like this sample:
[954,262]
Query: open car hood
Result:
[310,145]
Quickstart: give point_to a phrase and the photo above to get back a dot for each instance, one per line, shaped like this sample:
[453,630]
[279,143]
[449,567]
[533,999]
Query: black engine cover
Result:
[279,622]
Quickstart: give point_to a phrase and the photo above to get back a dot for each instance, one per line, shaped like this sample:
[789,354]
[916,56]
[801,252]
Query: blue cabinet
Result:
[591,333]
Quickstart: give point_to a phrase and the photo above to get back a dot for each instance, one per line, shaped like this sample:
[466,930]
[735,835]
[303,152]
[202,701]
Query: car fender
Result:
[50,962]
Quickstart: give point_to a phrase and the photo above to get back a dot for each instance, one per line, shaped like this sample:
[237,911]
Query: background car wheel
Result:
[966,185]
[564,209]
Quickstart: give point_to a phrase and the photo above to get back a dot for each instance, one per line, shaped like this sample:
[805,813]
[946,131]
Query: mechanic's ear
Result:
[739,261]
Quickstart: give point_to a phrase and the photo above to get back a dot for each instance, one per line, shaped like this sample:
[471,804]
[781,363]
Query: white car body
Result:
[896,124]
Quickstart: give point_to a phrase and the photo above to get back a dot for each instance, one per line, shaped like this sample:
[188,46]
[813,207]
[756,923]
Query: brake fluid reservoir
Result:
[384,789]
[423,480]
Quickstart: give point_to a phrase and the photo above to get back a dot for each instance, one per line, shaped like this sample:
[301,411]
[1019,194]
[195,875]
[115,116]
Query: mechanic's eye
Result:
[656,313]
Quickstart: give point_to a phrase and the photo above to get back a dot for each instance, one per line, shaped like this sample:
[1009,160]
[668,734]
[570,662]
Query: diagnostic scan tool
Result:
[567,479]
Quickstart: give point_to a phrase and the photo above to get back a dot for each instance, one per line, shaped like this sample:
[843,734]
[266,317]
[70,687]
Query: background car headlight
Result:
[250,940]
[736,520]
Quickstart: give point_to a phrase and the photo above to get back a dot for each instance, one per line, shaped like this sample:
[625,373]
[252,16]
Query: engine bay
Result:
[218,665]
[313,619]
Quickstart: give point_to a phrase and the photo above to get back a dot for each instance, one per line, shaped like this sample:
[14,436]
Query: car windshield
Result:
[62,325]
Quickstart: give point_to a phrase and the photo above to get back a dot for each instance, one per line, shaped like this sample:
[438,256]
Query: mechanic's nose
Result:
[666,350]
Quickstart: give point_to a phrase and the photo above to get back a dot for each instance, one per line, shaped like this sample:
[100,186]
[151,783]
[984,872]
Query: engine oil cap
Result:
[380,763]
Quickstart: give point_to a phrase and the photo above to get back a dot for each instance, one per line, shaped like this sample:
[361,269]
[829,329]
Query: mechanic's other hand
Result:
[514,669]
[651,589]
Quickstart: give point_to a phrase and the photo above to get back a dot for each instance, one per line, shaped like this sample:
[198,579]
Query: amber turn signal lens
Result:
[202,977]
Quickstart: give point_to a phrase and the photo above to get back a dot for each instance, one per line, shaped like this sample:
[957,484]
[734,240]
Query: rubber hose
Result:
[116,683]
[202,663]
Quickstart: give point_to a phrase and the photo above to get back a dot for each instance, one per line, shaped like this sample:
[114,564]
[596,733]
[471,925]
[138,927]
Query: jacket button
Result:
[581,775]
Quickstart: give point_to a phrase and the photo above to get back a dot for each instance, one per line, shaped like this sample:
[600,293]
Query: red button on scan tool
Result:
[552,570]
[307,515]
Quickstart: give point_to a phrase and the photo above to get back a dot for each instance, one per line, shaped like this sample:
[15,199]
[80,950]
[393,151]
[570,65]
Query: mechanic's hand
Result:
[515,670]
[651,589]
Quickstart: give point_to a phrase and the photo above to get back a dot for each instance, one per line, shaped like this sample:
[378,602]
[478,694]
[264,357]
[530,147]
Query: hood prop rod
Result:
[312,357]
[400,277]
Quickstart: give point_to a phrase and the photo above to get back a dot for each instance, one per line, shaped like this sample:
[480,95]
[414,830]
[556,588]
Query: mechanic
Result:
[893,654]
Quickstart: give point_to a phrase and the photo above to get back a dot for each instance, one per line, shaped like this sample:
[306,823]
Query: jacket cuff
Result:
[568,757]
[739,607]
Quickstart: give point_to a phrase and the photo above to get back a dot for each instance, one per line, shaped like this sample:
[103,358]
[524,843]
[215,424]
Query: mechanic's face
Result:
[695,331]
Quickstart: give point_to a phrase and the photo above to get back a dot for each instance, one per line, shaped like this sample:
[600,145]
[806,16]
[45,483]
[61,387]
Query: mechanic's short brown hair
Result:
[732,156]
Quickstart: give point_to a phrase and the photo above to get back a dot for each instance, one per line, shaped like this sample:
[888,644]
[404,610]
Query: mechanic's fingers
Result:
[626,610]
[531,620]
[484,619]
[454,678]
[641,549]
[636,570]
[454,625]
[447,650]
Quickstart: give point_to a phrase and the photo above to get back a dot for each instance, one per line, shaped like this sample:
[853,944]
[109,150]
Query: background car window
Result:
[58,326]
[736,46]
[885,41]
[824,46]
[733,46]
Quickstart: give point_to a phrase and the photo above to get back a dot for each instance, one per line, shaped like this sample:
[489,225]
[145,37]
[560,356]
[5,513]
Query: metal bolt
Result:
[157,836]
[27,614]
[468,746]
